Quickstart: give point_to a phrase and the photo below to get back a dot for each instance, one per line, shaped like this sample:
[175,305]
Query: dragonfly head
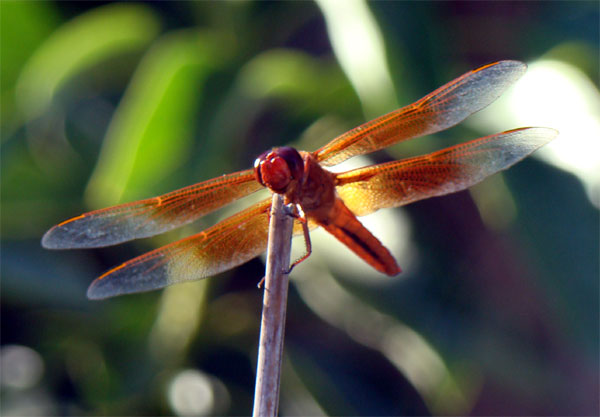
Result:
[278,168]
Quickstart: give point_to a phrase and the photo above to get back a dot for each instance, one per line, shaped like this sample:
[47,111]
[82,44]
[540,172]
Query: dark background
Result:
[110,102]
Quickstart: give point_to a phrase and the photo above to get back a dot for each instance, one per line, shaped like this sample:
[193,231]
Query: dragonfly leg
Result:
[299,214]
[260,283]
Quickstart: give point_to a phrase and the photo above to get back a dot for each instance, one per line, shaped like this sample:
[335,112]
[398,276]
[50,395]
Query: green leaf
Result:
[16,46]
[82,43]
[290,74]
[151,131]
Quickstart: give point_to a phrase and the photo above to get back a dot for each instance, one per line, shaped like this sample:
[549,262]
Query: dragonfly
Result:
[320,197]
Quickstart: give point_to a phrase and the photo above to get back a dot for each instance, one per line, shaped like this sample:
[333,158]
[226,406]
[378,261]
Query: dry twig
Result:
[268,370]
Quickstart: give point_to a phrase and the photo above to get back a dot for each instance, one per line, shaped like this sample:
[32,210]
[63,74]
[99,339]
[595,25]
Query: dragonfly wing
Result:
[397,183]
[223,246]
[152,216]
[445,107]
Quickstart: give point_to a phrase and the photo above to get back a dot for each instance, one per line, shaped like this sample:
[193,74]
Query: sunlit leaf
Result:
[80,44]
[16,45]
[151,131]
[290,74]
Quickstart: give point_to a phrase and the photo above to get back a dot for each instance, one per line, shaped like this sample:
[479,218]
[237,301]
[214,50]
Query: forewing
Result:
[152,216]
[397,183]
[445,107]
[227,244]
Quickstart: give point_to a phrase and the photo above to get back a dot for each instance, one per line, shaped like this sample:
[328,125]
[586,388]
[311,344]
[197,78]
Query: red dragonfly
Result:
[320,197]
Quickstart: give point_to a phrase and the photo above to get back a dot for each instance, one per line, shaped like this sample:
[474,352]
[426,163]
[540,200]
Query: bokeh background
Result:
[497,310]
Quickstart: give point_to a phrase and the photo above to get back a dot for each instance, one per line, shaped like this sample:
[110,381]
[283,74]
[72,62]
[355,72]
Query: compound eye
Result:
[257,174]
[293,159]
[277,168]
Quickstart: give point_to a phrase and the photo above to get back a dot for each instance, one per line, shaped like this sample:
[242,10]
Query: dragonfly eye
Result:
[277,168]
[293,159]
[257,167]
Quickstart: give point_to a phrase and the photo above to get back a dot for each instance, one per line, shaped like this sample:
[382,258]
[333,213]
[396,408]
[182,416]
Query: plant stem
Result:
[268,370]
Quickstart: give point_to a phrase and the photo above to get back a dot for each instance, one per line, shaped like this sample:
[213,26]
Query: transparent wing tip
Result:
[100,289]
[509,64]
[54,239]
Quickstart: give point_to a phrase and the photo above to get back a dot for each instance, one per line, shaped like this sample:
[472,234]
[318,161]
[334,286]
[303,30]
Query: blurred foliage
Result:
[104,103]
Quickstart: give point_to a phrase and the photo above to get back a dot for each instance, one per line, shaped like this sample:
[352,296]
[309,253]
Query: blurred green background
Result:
[497,311]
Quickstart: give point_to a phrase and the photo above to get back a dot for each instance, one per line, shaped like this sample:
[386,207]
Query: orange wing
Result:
[445,107]
[152,216]
[397,183]
[225,245]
